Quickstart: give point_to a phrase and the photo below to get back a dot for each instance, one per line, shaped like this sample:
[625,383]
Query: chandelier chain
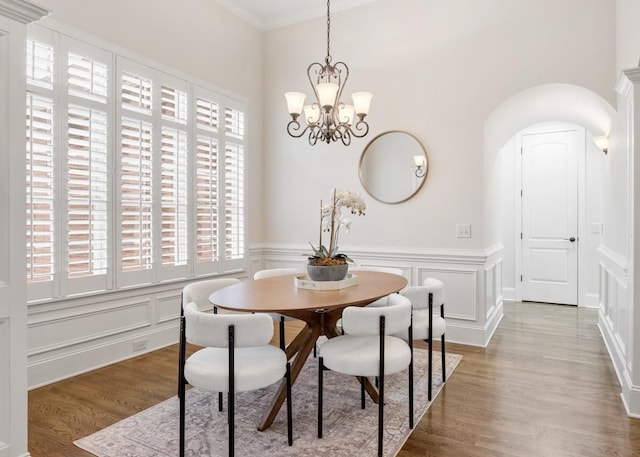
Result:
[328,33]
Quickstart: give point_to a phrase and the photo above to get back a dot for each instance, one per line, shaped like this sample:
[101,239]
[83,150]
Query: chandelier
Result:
[327,118]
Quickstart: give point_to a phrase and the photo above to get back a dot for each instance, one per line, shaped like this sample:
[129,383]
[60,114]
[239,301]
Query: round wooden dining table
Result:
[319,309]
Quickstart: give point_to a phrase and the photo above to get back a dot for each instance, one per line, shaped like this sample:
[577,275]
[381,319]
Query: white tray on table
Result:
[304,282]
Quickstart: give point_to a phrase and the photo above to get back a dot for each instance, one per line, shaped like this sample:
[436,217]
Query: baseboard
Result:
[470,335]
[591,301]
[509,294]
[77,362]
[630,397]
[5,451]
[630,394]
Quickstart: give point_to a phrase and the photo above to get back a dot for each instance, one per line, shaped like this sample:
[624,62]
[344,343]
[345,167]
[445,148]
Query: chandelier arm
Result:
[360,129]
[313,137]
[293,127]
[320,71]
[346,138]
[339,70]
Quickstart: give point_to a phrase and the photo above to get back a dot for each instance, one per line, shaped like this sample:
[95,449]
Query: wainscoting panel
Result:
[60,332]
[615,323]
[73,336]
[459,292]
[168,307]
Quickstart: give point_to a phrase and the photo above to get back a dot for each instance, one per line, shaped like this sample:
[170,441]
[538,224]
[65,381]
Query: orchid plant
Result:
[333,221]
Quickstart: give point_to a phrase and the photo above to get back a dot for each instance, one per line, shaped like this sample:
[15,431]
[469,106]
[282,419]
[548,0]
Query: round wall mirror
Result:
[393,166]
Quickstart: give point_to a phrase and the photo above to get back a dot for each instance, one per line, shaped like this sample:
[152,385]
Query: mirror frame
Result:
[368,148]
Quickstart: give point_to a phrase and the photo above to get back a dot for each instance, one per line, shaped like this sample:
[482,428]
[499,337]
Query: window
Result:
[131,179]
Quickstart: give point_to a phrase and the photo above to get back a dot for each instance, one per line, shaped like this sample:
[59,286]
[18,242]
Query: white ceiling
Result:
[271,14]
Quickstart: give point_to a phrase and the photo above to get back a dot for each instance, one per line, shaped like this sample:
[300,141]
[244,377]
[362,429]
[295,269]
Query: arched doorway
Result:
[560,103]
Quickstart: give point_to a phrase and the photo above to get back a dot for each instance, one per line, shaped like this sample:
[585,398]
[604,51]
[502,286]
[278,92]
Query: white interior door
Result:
[550,217]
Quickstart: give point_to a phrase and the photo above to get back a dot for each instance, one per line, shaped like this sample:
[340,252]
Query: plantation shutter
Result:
[40,189]
[136,195]
[173,178]
[40,169]
[87,192]
[207,200]
[207,179]
[234,185]
[87,168]
[136,175]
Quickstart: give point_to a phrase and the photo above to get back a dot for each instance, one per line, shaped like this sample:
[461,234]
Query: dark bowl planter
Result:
[327,272]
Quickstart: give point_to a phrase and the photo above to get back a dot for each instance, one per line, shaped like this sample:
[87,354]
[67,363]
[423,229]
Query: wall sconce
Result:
[602,142]
[419,160]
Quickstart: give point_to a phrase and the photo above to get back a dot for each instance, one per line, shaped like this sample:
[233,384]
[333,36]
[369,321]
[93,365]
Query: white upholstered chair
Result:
[391,270]
[236,357]
[198,292]
[280,318]
[379,302]
[428,320]
[367,349]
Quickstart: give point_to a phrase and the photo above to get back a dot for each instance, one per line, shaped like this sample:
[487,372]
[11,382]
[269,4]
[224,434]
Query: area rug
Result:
[348,430]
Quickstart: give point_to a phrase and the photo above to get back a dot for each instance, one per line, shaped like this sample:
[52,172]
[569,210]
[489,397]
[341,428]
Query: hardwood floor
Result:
[544,387]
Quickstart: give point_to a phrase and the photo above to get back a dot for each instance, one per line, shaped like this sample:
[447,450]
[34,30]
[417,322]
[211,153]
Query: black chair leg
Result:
[410,376]
[232,391]
[320,369]
[282,344]
[362,381]
[381,386]
[182,413]
[232,425]
[182,382]
[444,361]
[430,369]
[380,415]
[289,407]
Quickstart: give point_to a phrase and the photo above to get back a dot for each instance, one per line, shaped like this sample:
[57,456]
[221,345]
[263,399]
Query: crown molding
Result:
[628,78]
[21,11]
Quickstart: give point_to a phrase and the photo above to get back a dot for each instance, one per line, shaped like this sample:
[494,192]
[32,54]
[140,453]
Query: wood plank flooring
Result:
[544,387]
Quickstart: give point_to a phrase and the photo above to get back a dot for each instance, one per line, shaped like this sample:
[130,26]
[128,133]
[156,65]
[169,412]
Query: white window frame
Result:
[118,60]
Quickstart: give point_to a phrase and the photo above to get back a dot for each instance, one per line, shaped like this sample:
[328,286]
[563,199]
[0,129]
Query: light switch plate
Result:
[463,231]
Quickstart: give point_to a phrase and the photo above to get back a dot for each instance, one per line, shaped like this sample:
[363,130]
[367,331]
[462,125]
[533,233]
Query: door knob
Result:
[572,239]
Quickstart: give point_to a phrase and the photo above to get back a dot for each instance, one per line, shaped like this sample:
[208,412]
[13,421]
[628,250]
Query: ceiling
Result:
[271,14]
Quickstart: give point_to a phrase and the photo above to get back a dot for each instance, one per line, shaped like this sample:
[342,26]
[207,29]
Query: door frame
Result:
[548,127]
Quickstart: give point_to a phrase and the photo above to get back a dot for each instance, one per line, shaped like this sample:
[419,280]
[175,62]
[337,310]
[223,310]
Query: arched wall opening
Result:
[563,103]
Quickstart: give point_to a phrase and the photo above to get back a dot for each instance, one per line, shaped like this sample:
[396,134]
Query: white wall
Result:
[619,318]
[438,69]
